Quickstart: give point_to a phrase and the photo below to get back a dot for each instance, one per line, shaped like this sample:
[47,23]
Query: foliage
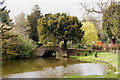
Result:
[61,43]
[5,28]
[18,47]
[4,22]
[97,23]
[61,27]
[4,16]
[14,46]
[90,33]
[69,44]
[111,21]
[21,25]
[101,8]
[32,19]
[25,47]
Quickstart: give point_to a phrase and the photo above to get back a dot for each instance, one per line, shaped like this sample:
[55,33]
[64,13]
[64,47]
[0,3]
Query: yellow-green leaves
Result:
[90,33]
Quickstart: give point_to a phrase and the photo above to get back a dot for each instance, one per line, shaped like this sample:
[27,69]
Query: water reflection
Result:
[51,68]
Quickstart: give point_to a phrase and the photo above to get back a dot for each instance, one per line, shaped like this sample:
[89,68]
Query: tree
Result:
[46,38]
[101,33]
[62,27]
[4,16]
[111,21]
[90,33]
[4,20]
[5,28]
[21,25]
[32,19]
[2,2]
[13,44]
[99,8]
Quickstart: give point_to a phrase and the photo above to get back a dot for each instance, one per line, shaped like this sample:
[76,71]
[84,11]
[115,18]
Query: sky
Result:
[71,7]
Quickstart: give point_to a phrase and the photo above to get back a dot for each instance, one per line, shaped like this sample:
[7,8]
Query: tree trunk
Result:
[114,40]
[65,44]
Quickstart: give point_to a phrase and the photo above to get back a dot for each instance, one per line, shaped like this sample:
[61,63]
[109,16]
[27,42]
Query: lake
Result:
[51,68]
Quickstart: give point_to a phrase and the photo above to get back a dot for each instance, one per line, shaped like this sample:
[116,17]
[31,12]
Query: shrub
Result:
[61,43]
[25,47]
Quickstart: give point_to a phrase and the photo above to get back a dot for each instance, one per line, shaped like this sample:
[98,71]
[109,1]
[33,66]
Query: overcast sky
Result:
[71,7]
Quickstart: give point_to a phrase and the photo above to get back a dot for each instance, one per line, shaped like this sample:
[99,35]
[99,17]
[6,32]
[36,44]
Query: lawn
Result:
[107,57]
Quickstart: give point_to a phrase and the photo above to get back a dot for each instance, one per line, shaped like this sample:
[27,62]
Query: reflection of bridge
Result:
[50,51]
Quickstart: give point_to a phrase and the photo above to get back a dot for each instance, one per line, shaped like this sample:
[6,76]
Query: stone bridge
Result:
[50,51]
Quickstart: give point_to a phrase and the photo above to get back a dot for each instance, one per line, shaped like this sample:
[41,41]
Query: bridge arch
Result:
[47,51]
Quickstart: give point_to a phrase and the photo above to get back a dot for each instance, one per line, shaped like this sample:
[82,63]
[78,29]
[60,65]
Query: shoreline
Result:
[105,57]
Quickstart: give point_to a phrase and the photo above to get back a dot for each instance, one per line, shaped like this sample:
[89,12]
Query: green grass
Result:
[104,57]
[112,75]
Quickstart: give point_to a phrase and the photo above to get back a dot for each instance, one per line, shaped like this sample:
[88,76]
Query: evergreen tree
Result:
[62,27]
[32,19]
[5,28]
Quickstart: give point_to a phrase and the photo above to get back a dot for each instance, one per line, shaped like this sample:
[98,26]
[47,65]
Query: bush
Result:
[25,47]
[61,44]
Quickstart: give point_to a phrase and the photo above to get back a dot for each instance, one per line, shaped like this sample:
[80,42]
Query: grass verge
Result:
[105,57]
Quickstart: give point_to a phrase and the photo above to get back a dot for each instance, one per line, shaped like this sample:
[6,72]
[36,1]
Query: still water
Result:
[51,68]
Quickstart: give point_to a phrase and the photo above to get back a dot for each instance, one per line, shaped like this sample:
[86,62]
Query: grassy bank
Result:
[105,57]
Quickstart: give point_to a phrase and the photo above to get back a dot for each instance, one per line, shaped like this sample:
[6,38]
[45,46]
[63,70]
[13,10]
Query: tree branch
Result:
[101,5]
[2,2]
[90,10]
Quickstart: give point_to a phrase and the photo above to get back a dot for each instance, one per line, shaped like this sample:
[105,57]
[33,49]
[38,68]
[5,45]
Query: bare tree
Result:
[99,7]
[1,3]
[21,25]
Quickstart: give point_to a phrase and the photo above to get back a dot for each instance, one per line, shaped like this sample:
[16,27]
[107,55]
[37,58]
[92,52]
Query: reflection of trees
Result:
[21,66]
